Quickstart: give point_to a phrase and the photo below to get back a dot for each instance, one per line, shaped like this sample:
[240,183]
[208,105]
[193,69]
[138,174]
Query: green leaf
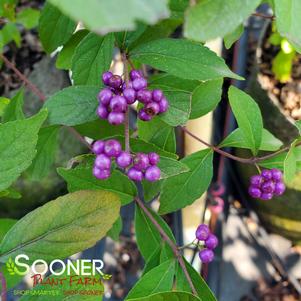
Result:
[288,21]
[182,58]
[116,15]
[233,36]
[290,164]
[55,29]
[91,58]
[298,125]
[151,189]
[158,133]
[64,58]
[28,17]
[8,33]
[210,19]
[73,105]
[46,151]
[153,261]
[147,235]
[10,193]
[282,65]
[182,190]
[5,225]
[81,178]
[62,227]
[236,139]
[169,296]
[14,110]
[205,98]
[248,116]
[114,232]
[17,147]
[171,167]
[159,279]
[4,102]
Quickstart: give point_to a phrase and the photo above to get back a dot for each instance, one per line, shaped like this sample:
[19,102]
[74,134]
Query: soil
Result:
[288,94]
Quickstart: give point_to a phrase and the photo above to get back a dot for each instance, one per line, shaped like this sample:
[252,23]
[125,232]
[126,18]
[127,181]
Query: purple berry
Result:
[144,96]
[157,95]
[130,95]
[152,173]
[206,255]
[267,174]
[256,180]
[276,174]
[116,118]
[142,115]
[152,108]
[118,104]
[115,82]
[135,174]
[164,105]
[254,192]
[124,159]
[135,74]
[279,188]
[112,148]
[139,83]
[202,232]
[104,96]
[129,85]
[154,158]
[268,187]
[106,76]
[98,147]
[266,196]
[211,242]
[102,162]
[101,174]
[102,112]
[141,161]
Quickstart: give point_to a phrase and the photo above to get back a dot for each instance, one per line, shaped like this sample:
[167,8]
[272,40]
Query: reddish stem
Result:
[3,287]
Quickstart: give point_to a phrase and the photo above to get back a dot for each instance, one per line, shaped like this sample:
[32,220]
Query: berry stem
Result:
[173,246]
[3,287]
[127,115]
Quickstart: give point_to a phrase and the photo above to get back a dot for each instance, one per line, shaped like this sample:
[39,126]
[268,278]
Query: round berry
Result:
[98,147]
[104,96]
[154,158]
[206,255]
[130,95]
[202,232]
[142,115]
[267,174]
[276,174]
[152,108]
[141,161]
[101,174]
[266,196]
[118,104]
[157,95]
[128,85]
[152,173]
[144,96]
[211,242]
[124,159]
[135,74]
[135,174]
[115,82]
[112,148]
[102,162]
[102,112]
[279,188]
[268,187]
[116,118]
[139,83]
[256,180]
[163,105]
[106,76]
[254,192]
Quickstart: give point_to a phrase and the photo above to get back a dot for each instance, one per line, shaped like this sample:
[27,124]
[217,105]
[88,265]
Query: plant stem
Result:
[3,287]
[170,242]
[127,115]
[263,16]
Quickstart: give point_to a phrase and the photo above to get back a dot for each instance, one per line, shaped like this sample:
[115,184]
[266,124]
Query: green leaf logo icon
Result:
[11,268]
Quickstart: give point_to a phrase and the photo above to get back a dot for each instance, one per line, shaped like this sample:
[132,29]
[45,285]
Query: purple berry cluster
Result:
[204,234]
[115,98]
[267,184]
[138,167]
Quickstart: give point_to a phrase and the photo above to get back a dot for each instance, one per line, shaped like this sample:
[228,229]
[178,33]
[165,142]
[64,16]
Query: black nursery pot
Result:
[281,215]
